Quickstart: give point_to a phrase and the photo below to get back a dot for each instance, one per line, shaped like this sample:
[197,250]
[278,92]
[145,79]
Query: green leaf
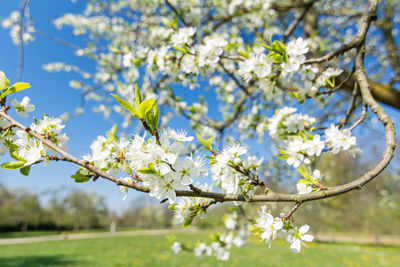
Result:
[213,161]
[303,172]
[146,171]
[187,222]
[114,49]
[25,170]
[79,177]
[244,54]
[145,107]
[13,165]
[172,207]
[151,167]
[214,237]
[169,23]
[4,82]
[152,117]
[277,58]
[331,83]
[126,105]
[15,88]
[279,47]
[303,181]
[254,229]
[266,46]
[206,143]
[111,135]
[183,50]
[138,97]
[14,153]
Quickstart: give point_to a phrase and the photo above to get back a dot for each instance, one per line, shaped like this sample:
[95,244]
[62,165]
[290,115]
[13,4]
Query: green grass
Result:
[26,234]
[44,233]
[154,251]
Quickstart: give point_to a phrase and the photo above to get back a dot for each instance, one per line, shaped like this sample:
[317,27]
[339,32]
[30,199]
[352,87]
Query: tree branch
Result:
[357,40]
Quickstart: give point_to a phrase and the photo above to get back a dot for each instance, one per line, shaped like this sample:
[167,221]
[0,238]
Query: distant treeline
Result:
[375,210]
[21,210]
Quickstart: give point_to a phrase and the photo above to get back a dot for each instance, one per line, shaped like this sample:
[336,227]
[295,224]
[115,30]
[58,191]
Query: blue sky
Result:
[51,94]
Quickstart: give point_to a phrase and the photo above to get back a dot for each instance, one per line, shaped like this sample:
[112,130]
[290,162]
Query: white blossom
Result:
[339,139]
[297,237]
[24,107]
[176,247]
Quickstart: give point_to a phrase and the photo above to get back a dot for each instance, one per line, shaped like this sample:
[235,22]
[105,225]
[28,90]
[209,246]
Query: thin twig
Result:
[296,21]
[356,41]
[351,106]
[361,119]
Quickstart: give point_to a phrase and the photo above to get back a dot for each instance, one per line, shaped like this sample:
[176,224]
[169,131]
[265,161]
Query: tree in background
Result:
[144,214]
[278,72]
[19,208]
[85,210]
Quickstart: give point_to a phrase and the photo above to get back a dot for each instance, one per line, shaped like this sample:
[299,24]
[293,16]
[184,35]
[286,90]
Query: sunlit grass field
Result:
[154,251]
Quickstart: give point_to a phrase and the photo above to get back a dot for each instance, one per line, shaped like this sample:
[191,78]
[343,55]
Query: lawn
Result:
[154,251]
[43,233]
[26,234]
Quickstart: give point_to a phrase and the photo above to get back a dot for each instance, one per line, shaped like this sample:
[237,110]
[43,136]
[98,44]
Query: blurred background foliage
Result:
[372,211]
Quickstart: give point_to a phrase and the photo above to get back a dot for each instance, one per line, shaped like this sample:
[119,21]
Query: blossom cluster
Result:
[161,163]
[221,244]
[23,147]
[186,209]
[268,228]
[300,146]
[19,30]
[231,172]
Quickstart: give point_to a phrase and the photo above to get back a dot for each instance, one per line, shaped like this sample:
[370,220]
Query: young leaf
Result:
[111,135]
[79,177]
[146,171]
[14,153]
[15,88]
[180,49]
[244,54]
[279,47]
[13,165]
[145,107]
[206,143]
[172,207]
[114,49]
[254,229]
[152,117]
[266,46]
[138,97]
[4,82]
[126,105]
[151,167]
[25,170]
[304,173]
[187,222]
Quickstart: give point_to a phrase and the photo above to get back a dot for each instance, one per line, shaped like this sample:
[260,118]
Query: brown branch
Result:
[351,107]
[356,41]
[297,21]
[177,13]
[293,210]
[67,157]
[361,119]
[386,27]
[57,40]
[23,5]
